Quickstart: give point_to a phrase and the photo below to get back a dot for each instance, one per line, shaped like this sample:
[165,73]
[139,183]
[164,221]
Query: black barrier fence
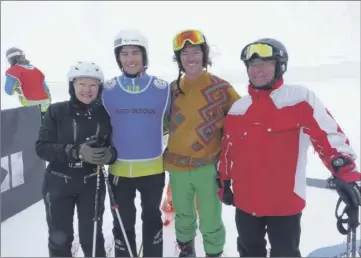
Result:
[21,170]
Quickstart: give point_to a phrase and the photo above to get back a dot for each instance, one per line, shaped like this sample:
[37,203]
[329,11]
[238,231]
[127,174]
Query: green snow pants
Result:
[199,183]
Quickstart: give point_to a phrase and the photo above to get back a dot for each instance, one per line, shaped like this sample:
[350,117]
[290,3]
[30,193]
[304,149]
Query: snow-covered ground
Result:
[340,94]
[29,229]
[323,40]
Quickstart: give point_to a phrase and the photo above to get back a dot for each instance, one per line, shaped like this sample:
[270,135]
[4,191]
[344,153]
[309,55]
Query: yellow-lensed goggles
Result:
[259,49]
[194,37]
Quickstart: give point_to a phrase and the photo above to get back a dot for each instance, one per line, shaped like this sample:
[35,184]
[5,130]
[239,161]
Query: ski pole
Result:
[96,211]
[353,242]
[359,248]
[115,207]
[140,249]
[348,241]
[141,245]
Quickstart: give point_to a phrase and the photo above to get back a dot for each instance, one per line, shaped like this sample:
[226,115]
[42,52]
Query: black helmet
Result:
[279,53]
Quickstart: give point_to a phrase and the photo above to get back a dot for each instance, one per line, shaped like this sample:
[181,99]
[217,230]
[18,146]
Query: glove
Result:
[347,186]
[71,151]
[342,167]
[95,155]
[225,193]
[350,194]
[91,152]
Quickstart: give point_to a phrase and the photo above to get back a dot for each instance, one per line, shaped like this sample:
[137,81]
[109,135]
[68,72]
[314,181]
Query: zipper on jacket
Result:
[74,131]
[89,176]
[97,130]
[75,136]
[226,154]
[47,198]
[61,175]
[133,82]
[131,163]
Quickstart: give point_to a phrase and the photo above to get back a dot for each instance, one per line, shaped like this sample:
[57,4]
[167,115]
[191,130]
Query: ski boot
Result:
[187,249]
[215,255]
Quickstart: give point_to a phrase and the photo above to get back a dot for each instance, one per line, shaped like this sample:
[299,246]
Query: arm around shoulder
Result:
[112,149]
[232,97]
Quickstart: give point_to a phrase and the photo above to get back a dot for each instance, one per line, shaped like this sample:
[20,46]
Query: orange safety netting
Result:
[167,207]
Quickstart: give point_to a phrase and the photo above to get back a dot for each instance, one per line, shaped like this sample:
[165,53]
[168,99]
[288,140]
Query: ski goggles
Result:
[194,37]
[261,50]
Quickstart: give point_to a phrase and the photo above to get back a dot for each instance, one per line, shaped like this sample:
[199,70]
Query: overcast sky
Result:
[55,34]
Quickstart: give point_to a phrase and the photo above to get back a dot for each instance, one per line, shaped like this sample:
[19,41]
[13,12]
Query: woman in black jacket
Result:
[70,178]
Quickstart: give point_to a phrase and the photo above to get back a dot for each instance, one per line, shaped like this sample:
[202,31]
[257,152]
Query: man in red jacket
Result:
[264,151]
[26,80]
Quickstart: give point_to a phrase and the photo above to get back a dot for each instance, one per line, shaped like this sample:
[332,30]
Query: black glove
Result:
[95,155]
[350,195]
[91,151]
[225,193]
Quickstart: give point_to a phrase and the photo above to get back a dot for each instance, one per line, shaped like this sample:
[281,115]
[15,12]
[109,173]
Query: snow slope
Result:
[29,227]
[323,40]
[341,95]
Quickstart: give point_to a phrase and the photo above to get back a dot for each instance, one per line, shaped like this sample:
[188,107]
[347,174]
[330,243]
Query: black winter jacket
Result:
[68,123]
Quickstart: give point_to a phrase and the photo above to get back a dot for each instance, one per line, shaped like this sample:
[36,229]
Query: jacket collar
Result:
[253,91]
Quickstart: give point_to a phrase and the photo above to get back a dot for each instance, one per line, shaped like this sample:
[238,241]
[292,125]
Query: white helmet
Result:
[85,69]
[14,52]
[131,38]
[15,55]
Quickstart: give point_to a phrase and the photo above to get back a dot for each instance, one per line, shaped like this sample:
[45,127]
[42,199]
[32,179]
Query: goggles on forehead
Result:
[194,37]
[259,49]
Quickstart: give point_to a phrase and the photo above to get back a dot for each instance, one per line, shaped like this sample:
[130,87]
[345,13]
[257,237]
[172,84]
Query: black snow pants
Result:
[151,192]
[61,193]
[283,234]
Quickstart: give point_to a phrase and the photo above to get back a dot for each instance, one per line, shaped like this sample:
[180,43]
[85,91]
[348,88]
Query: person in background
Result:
[26,80]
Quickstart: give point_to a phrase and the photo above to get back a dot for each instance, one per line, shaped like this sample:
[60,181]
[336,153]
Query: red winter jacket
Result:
[264,147]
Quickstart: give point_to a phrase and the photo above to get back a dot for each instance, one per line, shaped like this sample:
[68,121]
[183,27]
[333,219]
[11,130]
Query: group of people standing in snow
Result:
[249,152]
